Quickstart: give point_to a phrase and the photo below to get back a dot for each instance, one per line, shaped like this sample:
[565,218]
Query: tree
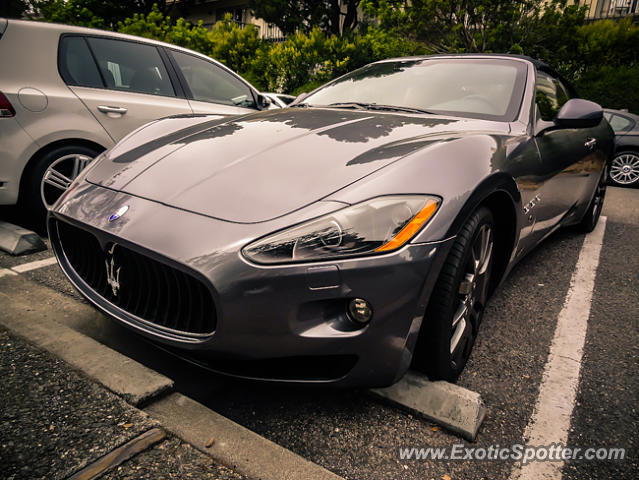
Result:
[14,8]
[158,26]
[233,45]
[479,25]
[92,13]
[331,16]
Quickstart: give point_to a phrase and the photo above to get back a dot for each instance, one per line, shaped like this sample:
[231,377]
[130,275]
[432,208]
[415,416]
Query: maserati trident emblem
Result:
[119,212]
[113,277]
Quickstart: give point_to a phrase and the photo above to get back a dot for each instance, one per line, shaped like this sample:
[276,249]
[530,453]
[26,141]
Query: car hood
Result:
[261,166]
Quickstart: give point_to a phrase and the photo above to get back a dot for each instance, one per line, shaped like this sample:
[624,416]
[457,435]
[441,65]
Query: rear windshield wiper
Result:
[377,106]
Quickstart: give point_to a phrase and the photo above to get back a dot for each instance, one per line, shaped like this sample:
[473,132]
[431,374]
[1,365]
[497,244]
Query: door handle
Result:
[107,109]
[591,143]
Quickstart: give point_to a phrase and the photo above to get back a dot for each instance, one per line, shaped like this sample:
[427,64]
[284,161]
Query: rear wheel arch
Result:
[30,196]
[52,146]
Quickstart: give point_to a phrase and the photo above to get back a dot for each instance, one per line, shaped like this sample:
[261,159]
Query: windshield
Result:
[475,87]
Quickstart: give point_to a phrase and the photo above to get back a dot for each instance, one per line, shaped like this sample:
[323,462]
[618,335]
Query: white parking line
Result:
[550,421]
[5,272]
[25,267]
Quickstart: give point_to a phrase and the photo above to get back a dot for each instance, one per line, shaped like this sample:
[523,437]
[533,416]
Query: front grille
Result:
[146,288]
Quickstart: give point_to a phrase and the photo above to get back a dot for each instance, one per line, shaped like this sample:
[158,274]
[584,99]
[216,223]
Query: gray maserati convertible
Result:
[345,238]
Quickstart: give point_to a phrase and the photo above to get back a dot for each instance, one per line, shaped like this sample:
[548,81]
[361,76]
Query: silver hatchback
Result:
[68,93]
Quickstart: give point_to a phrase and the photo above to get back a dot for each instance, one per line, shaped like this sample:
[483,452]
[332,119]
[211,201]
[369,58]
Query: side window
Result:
[562,93]
[550,96]
[210,83]
[620,124]
[131,67]
[76,63]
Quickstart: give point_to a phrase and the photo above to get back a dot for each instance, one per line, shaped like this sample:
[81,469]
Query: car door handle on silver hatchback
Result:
[591,143]
[107,109]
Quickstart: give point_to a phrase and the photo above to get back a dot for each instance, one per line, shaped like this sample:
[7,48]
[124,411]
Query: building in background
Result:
[598,9]
[212,11]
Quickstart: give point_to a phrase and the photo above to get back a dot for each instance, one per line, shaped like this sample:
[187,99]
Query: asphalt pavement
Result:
[55,423]
[357,436]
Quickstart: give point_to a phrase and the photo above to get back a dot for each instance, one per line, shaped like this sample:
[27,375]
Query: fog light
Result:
[360,310]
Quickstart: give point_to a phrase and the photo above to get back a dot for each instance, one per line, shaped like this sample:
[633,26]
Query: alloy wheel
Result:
[472,294]
[59,176]
[624,169]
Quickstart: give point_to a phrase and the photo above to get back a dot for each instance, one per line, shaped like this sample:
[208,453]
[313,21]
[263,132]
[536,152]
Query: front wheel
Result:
[458,301]
[591,217]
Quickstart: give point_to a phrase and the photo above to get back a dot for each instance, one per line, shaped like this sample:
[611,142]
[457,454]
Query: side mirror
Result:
[579,113]
[262,102]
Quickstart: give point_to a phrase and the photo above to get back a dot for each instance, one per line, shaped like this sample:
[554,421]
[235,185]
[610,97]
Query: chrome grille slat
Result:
[150,290]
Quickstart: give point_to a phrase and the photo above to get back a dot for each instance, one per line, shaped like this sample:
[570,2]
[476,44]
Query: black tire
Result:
[461,289]
[31,191]
[624,169]
[591,217]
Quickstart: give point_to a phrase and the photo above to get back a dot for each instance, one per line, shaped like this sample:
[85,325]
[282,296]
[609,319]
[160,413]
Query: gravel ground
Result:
[54,421]
[171,459]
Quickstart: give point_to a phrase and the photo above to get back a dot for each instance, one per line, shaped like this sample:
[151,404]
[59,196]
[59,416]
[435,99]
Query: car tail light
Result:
[6,109]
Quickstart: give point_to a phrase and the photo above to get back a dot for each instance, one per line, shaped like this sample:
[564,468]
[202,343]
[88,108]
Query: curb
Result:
[454,407]
[16,240]
[223,439]
[127,378]
[235,446]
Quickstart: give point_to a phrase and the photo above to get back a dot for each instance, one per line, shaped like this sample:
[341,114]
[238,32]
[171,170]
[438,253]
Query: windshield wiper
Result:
[377,106]
[353,105]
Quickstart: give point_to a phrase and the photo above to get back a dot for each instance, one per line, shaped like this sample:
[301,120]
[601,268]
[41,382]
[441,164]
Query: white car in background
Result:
[72,92]
[279,99]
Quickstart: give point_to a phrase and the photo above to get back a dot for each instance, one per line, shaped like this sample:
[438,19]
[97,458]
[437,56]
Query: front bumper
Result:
[284,323]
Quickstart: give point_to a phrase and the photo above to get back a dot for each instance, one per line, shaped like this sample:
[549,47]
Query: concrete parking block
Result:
[16,240]
[231,444]
[34,321]
[451,406]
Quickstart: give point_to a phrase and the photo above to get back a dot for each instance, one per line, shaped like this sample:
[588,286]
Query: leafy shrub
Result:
[157,26]
[71,12]
[608,63]
[305,61]
[611,86]
[234,46]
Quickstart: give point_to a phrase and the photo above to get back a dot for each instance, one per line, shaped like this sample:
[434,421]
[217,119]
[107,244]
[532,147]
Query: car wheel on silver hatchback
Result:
[51,175]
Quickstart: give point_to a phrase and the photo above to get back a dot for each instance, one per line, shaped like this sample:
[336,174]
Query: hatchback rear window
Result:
[131,67]
[76,63]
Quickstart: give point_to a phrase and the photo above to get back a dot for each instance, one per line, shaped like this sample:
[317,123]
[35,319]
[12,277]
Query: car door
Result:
[565,165]
[130,82]
[211,88]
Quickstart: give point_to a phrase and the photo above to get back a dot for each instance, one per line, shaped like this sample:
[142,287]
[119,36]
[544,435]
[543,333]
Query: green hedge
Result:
[612,87]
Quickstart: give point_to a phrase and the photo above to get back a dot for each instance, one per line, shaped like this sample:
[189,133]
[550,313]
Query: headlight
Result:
[379,225]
